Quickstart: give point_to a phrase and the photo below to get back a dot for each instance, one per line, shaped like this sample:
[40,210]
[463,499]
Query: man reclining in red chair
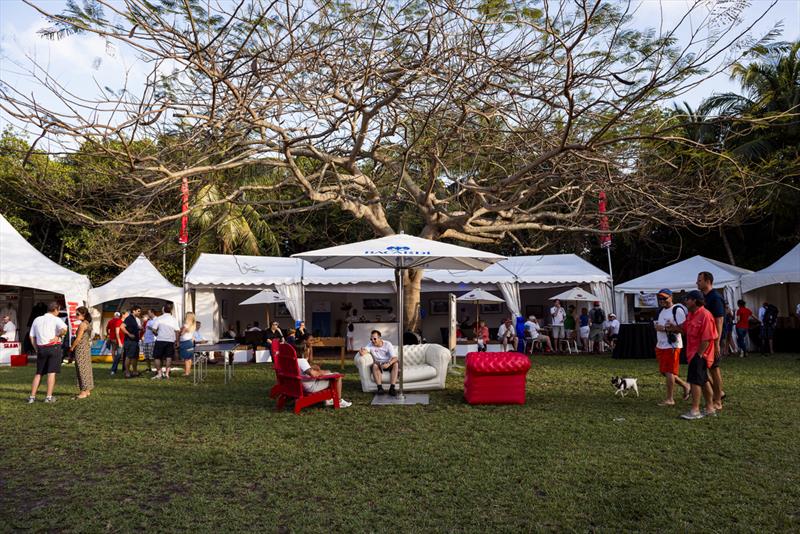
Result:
[312,386]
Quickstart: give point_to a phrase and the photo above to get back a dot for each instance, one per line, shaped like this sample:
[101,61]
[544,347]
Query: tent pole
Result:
[399,274]
[183,286]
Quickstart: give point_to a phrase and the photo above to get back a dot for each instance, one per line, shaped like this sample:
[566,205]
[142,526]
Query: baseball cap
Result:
[696,295]
[664,293]
[597,303]
[116,314]
[612,314]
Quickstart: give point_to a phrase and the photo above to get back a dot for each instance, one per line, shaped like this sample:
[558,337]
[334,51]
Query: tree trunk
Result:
[412,284]
[727,244]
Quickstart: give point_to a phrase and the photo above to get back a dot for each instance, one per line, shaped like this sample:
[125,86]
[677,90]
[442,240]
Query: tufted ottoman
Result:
[496,377]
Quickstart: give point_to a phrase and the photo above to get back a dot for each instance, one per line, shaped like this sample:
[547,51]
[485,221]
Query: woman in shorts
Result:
[186,346]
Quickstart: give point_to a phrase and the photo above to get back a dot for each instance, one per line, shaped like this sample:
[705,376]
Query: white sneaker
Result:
[49,400]
[31,400]
[344,404]
[157,377]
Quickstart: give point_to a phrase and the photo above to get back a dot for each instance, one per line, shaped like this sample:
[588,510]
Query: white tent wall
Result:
[206,310]
[295,301]
[511,295]
[785,297]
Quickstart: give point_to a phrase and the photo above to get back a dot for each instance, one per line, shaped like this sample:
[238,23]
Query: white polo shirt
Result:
[382,354]
[533,328]
[45,328]
[166,327]
[558,315]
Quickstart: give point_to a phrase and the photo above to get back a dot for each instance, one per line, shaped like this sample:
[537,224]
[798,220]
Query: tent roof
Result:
[22,265]
[785,270]
[139,279]
[683,276]
[220,270]
[549,269]
[231,271]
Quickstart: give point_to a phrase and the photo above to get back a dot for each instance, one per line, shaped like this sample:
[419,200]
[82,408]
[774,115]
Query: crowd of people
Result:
[590,331]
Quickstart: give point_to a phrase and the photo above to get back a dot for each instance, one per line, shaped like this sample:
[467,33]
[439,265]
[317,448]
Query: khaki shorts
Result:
[316,385]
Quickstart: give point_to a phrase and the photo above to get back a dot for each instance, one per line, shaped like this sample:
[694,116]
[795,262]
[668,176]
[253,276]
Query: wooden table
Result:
[326,342]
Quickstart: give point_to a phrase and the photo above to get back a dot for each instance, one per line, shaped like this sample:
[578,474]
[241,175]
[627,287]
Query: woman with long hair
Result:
[186,346]
[81,347]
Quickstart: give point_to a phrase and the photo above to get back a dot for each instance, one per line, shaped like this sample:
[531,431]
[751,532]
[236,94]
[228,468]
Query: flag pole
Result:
[183,239]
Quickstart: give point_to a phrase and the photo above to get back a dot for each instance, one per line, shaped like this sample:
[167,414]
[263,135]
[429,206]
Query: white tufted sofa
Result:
[424,368]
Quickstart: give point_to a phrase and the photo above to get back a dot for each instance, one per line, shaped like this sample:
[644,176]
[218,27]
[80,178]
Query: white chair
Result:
[424,368]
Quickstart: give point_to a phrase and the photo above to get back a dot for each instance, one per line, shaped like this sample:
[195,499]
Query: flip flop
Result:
[687,394]
[664,403]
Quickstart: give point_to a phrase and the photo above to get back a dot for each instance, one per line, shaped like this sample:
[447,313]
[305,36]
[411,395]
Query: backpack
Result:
[770,315]
[675,312]
[598,315]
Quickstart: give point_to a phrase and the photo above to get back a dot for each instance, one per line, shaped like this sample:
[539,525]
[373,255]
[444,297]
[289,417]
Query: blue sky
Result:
[85,64]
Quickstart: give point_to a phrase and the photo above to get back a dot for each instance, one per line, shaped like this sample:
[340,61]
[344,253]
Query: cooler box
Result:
[496,377]
[19,360]
[263,356]
[241,356]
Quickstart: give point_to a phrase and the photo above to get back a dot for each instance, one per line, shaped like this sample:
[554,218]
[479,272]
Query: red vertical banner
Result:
[72,313]
[605,239]
[184,237]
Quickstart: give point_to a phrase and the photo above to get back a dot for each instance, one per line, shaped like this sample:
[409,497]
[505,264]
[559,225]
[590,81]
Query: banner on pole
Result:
[605,239]
[184,235]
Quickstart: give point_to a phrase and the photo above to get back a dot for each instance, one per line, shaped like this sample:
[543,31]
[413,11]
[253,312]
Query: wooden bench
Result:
[329,342]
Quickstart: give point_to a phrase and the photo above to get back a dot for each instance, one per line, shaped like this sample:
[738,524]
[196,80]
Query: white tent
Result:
[139,279]
[525,272]
[778,284]
[682,276]
[290,277]
[23,266]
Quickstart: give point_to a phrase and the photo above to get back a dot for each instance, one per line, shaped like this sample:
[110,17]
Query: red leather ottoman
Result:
[496,377]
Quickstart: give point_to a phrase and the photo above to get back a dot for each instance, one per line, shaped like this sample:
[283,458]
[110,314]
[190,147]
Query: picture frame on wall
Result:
[438,307]
[281,310]
[371,304]
[537,310]
[493,308]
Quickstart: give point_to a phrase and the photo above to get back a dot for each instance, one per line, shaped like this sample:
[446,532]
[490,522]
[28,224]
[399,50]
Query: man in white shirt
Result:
[507,335]
[46,333]
[384,358]
[612,330]
[557,316]
[9,329]
[669,344]
[318,385]
[166,329]
[532,334]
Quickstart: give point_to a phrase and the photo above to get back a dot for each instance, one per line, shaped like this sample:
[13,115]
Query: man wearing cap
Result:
[716,306]
[612,330]
[701,333]
[669,344]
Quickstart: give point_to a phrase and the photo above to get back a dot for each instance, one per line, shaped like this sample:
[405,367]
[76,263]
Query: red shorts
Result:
[669,360]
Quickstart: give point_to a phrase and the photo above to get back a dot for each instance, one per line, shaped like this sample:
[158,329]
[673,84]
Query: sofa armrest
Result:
[438,356]
[362,361]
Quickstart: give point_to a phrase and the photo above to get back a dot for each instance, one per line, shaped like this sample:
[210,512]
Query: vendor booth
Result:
[28,277]
[138,282]
[330,300]
[682,276]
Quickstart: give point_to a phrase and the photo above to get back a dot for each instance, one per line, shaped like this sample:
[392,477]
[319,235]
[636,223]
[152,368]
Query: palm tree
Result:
[771,85]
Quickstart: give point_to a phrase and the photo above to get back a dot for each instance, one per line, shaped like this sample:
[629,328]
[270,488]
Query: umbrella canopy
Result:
[576,294]
[398,252]
[479,296]
[264,297]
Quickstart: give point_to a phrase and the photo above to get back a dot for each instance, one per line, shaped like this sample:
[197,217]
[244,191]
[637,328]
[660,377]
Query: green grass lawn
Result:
[141,454]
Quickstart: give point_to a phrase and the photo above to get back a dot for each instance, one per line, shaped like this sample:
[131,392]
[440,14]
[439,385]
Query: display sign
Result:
[646,300]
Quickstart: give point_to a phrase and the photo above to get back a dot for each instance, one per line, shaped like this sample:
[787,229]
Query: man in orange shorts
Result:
[669,344]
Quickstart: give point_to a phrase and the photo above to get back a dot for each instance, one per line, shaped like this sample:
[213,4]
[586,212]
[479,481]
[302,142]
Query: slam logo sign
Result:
[399,250]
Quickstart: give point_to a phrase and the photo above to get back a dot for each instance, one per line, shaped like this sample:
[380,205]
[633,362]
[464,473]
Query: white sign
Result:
[646,300]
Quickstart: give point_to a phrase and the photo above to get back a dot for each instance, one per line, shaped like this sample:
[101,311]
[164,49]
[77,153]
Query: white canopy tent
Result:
[290,277]
[525,272]
[778,284]
[682,276]
[22,265]
[139,279]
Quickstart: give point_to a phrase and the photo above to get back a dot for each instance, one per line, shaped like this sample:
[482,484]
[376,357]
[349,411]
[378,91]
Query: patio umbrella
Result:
[264,297]
[577,294]
[400,252]
[479,296]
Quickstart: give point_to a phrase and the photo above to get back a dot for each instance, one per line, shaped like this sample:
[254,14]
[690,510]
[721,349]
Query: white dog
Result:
[624,385]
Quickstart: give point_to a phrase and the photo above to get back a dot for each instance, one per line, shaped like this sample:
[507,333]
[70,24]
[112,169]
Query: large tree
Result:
[486,123]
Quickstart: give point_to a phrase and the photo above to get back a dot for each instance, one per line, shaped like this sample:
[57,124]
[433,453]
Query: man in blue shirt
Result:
[716,305]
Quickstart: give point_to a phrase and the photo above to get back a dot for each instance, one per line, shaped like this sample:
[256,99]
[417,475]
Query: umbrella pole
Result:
[399,274]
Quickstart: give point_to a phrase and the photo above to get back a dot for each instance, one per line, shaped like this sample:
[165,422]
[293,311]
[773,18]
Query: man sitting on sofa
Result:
[384,358]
